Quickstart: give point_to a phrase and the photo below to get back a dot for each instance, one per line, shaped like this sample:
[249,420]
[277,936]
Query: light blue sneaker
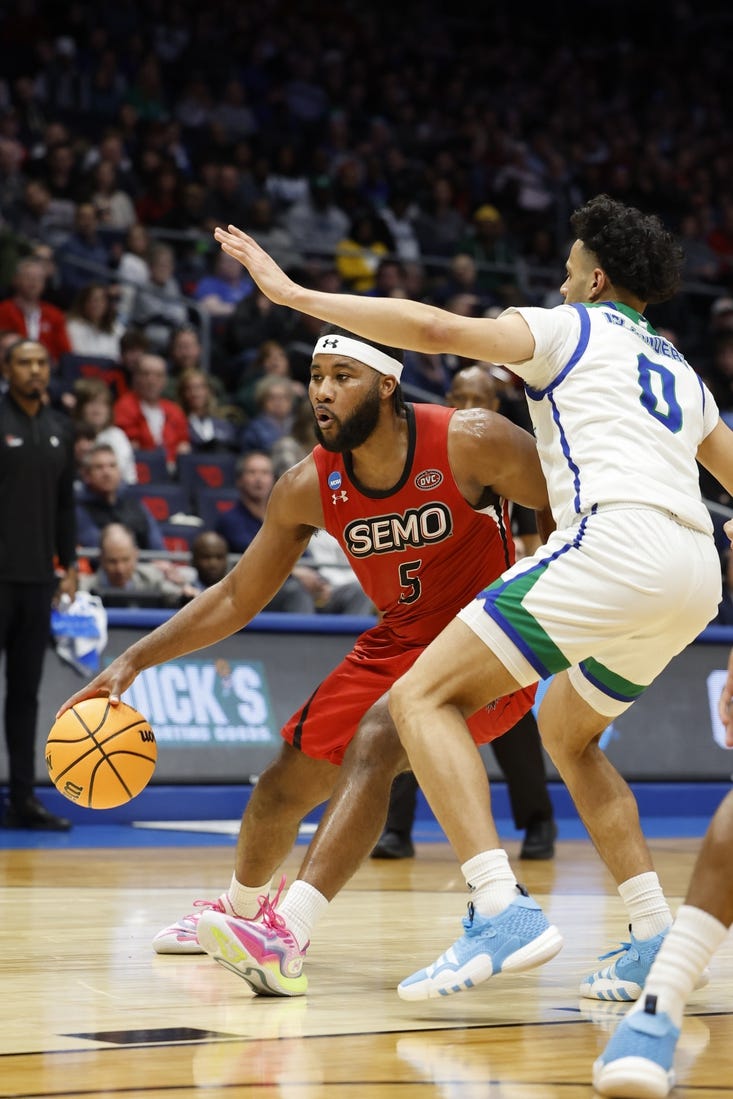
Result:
[624,979]
[518,938]
[637,1062]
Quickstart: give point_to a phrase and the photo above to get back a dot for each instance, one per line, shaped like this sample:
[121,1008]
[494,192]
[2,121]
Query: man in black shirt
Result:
[37,533]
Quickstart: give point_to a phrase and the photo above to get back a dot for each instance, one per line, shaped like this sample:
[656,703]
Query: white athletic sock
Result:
[301,909]
[648,910]
[245,899]
[491,881]
[693,939]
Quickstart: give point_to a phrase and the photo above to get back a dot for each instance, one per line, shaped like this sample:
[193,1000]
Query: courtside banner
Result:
[217,713]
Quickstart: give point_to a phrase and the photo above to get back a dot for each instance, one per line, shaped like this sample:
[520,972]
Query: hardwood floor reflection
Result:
[87,1008]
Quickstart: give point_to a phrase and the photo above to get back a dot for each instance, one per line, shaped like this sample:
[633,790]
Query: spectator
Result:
[208,427]
[184,352]
[146,417]
[226,199]
[221,291]
[60,172]
[292,448]
[103,501]
[315,223]
[32,317]
[133,345]
[271,235]
[133,269]
[358,254]
[390,280]
[159,306]
[324,570]
[122,577]
[94,406]
[238,526]
[85,436]
[399,215]
[286,183]
[233,113]
[210,559]
[495,254]
[39,218]
[439,225]
[474,387]
[463,279]
[275,399]
[270,361]
[92,322]
[114,207]
[84,256]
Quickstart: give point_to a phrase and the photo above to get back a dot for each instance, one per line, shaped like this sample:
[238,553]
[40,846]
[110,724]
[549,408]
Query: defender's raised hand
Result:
[271,279]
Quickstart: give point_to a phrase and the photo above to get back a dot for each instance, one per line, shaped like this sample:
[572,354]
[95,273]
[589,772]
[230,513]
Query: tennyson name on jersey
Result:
[392,533]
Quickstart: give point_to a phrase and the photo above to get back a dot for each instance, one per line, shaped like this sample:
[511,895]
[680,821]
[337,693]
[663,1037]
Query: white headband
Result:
[362,352]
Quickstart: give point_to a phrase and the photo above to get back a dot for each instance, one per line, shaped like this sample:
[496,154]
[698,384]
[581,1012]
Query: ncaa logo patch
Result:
[334,480]
[428,479]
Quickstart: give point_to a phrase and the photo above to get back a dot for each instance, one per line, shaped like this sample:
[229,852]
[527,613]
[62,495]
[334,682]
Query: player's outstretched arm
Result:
[410,325]
[292,514]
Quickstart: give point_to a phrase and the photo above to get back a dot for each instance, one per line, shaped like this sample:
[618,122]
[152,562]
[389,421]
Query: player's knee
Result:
[376,746]
[404,700]
[283,789]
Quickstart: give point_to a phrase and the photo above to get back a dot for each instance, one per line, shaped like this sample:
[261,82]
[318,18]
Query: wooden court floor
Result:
[88,1010]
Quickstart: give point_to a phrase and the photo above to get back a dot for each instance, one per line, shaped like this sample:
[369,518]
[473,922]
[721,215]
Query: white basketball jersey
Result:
[617,411]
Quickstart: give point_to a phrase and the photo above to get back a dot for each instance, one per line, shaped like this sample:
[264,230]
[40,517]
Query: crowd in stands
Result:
[421,150]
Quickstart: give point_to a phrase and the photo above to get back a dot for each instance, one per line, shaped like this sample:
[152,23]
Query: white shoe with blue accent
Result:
[637,1062]
[516,939]
[624,979]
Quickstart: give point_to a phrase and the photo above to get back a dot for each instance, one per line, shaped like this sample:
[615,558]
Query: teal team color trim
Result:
[509,604]
[610,683]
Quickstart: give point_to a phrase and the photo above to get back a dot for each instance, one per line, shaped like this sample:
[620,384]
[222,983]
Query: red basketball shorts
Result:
[324,727]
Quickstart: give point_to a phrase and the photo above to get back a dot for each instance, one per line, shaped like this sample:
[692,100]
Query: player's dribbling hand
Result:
[113,682]
[270,278]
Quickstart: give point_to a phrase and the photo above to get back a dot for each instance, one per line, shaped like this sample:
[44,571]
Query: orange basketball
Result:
[99,755]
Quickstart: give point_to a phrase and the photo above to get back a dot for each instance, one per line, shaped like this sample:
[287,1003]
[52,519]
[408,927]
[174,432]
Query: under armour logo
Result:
[332,342]
[342,496]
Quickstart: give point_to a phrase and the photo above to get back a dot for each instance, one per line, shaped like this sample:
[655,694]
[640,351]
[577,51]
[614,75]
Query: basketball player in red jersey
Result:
[416,497]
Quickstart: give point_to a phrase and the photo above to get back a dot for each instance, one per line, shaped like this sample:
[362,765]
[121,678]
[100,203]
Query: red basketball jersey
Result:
[420,551]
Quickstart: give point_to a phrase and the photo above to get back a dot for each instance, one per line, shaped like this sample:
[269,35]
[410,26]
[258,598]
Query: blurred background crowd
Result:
[426,150]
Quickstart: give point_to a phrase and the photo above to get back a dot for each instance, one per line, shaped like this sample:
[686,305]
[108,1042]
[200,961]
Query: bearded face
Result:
[338,435]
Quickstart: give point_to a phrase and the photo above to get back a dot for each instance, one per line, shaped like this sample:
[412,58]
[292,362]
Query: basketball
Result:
[99,755]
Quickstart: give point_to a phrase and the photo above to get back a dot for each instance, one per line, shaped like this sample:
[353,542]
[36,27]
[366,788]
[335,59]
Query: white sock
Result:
[648,910]
[693,939]
[302,908]
[244,900]
[491,881]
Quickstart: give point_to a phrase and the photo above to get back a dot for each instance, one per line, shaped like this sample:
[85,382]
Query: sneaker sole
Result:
[480,968]
[264,980]
[632,1078]
[612,989]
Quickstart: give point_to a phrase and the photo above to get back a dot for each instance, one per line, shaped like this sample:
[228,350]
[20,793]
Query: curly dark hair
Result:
[634,249]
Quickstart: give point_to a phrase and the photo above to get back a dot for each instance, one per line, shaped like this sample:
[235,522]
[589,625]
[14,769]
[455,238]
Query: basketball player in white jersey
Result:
[628,579]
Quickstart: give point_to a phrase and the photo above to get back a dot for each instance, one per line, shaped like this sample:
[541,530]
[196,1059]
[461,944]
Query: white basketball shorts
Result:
[612,600]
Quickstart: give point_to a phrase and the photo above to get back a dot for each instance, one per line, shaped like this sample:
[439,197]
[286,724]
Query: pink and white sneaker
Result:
[182,937]
[265,954]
